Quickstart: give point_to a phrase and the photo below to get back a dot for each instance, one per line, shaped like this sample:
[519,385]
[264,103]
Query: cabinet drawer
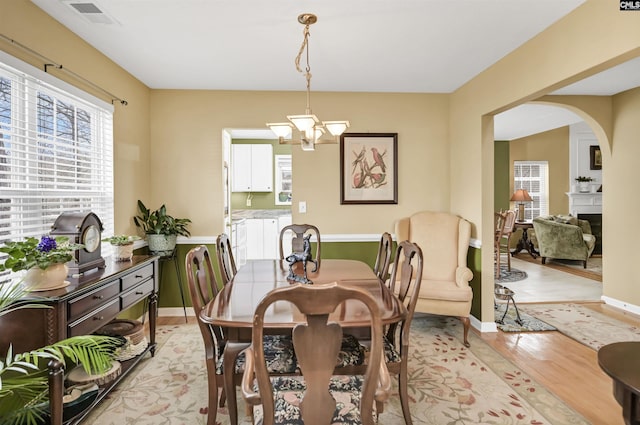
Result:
[95,320]
[136,277]
[93,299]
[136,294]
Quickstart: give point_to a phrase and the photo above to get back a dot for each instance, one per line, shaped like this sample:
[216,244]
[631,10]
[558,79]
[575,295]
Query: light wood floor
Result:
[565,367]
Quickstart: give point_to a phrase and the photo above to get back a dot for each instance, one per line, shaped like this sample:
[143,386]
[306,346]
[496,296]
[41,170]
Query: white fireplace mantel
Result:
[585,203]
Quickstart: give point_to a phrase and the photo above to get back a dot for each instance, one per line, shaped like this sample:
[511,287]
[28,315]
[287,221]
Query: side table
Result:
[174,259]
[620,361]
[525,242]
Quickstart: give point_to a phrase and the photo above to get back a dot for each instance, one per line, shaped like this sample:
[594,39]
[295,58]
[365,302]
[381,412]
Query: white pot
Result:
[584,186]
[162,245]
[123,252]
[37,279]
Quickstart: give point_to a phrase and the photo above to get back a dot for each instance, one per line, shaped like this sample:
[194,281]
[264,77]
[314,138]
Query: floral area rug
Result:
[583,324]
[448,384]
[512,275]
[510,323]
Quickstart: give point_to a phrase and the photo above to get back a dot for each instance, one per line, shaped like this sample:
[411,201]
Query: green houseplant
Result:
[161,229]
[123,246]
[44,260]
[24,390]
[583,183]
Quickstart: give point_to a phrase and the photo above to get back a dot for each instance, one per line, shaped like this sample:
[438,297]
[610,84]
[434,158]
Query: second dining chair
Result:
[297,233]
[383,259]
[318,397]
[226,262]
[203,288]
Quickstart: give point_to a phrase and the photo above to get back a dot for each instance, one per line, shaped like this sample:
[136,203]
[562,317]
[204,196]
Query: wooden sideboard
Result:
[89,302]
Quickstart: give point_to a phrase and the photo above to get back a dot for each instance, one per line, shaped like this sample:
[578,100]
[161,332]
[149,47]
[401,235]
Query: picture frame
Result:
[595,158]
[369,168]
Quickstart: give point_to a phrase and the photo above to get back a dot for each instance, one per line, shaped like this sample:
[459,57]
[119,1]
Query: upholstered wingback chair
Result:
[564,237]
[444,240]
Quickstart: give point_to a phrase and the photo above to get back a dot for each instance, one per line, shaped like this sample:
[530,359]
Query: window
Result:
[283,180]
[56,152]
[534,177]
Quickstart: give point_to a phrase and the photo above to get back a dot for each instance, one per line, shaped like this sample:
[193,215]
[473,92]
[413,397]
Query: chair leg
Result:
[213,392]
[584,264]
[402,389]
[466,322]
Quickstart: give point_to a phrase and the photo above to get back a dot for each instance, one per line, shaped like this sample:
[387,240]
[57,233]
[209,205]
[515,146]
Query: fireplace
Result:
[595,220]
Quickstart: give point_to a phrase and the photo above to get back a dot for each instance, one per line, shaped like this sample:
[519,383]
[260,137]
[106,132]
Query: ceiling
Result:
[403,46]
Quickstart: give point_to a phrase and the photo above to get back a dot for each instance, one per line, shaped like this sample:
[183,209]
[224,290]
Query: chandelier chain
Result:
[304,48]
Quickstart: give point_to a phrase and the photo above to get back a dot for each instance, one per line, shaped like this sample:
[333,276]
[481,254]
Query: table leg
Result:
[231,351]
[526,244]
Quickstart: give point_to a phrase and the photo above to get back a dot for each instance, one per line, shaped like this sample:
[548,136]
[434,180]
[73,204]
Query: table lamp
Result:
[521,196]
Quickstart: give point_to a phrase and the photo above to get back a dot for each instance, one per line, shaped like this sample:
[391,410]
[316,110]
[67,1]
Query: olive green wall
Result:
[502,186]
[260,200]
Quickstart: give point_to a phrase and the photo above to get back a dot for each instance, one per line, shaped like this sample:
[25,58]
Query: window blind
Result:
[56,152]
[534,177]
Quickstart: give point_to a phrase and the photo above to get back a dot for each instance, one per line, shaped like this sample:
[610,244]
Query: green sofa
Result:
[564,237]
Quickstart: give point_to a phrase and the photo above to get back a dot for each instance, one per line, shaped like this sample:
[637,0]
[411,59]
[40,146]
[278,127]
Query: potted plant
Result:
[24,392]
[44,260]
[583,183]
[161,229]
[123,246]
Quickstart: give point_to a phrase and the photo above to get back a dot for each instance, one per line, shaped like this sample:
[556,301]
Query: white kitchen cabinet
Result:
[262,238]
[252,168]
[239,242]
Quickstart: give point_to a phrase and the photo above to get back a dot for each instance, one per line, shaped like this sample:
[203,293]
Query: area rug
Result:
[528,323]
[513,275]
[583,324]
[448,384]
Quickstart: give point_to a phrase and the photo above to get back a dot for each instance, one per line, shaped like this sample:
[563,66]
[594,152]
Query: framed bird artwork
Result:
[369,168]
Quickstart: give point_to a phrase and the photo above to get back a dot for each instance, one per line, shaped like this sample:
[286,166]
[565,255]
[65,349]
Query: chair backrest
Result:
[203,287]
[405,281]
[225,258]
[297,242]
[509,222]
[500,219]
[383,259]
[444,240]
[316,343]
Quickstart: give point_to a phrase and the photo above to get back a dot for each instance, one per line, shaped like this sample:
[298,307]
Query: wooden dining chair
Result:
[405,282]
[318,397]
[383,259]
[203,287]
[500,220]
[226,262]
[297,240]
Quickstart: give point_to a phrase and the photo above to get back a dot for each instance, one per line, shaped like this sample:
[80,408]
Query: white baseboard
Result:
[483,326]
[622,305]
[175,312]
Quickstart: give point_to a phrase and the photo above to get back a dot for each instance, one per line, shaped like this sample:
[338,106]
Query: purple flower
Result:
[47,244]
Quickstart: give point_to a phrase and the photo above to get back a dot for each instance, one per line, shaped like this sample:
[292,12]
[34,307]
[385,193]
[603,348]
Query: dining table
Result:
[234,305]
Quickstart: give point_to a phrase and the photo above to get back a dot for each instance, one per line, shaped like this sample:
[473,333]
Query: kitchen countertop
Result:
[260,214]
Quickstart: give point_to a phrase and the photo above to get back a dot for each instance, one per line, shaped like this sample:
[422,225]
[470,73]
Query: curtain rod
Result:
[49,62]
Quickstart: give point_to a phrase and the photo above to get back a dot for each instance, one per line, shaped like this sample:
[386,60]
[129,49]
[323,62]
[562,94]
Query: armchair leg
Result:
[544,260]
[466,322]
[584,264]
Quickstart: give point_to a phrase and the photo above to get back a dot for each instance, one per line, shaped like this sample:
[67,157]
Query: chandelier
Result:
[308,125]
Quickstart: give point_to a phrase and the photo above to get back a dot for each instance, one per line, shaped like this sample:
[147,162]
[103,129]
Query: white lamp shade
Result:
[303,122]
[281,129]
[336,128]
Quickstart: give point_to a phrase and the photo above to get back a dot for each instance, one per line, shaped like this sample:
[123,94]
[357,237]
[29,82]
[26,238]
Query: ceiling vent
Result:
[90,11]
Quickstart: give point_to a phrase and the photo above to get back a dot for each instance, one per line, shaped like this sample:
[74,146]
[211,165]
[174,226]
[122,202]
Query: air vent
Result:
[90,11]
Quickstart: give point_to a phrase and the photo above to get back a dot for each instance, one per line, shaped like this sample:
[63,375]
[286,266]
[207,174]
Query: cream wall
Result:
[592,38]
[186,158]
[25,23]
[551,146]
[167,143]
